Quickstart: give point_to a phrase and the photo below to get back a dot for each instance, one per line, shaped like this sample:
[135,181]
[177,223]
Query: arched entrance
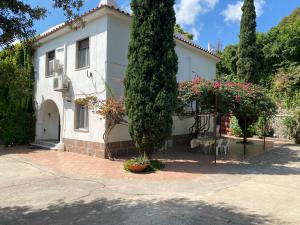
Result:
[48,123]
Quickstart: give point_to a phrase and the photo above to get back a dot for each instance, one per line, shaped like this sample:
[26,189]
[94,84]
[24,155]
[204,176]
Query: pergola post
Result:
[264,133]
[245,135]
[215,126]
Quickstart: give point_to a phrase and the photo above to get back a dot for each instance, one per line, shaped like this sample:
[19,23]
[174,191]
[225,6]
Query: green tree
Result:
[247,51]
[150,81]
[17,17]
[283,41]
[226,68]
[16,82]
[178,29]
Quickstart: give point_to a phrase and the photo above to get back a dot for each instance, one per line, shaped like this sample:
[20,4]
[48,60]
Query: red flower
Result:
[195,89]
[217,85]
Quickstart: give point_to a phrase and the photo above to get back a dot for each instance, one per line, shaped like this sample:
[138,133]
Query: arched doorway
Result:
[48,123]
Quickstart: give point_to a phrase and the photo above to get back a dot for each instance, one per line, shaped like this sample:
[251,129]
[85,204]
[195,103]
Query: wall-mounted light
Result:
[89,74]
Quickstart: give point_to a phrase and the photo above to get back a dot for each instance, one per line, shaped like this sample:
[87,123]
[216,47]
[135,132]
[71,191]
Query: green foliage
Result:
[16,82]
[226,68]
[17,18]
[286,86]
[278,58]
[150,81]
[260,127]
[153,165]
[283,41]
[257,128]
[138,161]
[178,29]
[247,51]
[156,165]
[243,100]
[235,128]
[290,126]
[17,128]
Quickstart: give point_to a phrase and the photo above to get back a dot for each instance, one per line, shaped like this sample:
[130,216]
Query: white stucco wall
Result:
[81,84]
[189,60]
[109,38]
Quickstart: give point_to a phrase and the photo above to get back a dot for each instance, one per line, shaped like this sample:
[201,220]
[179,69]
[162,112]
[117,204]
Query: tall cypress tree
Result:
[247,51]
[150,81]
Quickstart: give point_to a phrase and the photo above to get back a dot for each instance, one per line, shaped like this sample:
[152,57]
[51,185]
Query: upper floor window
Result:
[81,117]
[83,53]
[49,56]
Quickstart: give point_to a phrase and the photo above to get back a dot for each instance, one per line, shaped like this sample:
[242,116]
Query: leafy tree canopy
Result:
[16,82]
[17,18]
[246,101]
[227,66]
[178,29]
[278,59]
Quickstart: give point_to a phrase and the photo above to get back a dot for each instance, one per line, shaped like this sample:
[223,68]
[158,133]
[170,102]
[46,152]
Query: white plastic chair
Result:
[219,146]
[226,147]
[194,143]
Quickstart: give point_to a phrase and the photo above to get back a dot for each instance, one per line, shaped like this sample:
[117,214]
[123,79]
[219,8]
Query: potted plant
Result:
[137,164]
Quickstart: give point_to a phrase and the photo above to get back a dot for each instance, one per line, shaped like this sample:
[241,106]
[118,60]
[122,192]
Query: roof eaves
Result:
[93,10]
[196,46]
[124,13]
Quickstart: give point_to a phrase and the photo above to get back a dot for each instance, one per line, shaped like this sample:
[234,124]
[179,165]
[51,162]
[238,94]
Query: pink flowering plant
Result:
[244,100]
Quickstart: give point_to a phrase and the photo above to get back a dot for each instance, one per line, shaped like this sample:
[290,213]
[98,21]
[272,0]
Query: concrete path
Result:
[263,190]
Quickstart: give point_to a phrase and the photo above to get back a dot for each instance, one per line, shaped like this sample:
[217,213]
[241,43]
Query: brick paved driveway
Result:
[45,187]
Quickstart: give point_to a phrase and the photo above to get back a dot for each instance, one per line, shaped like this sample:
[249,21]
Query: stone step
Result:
[46,145]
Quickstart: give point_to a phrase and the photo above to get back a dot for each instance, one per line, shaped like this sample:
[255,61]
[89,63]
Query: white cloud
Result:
[233,12]
[210,3]
[187,12]
[259,4]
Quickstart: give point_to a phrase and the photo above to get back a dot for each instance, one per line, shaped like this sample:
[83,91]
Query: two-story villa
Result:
[70,64]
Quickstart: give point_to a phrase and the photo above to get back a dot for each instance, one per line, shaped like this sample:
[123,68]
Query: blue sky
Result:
[209,20]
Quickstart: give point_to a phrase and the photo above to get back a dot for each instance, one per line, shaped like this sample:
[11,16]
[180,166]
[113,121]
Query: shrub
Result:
[17,128]
[155,165]
[260,128]
[235,128]
[290,125]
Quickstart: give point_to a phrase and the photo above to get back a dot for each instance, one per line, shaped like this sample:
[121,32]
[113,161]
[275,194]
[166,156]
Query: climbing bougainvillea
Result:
[244,100]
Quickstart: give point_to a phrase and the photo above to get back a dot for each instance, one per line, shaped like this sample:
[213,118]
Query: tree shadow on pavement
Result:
[132,212]
[281,161]
[21,149]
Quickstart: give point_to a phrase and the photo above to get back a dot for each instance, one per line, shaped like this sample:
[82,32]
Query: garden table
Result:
[205,143]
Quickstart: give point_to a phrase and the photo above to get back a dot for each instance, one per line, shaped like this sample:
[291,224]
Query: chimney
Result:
[209,47]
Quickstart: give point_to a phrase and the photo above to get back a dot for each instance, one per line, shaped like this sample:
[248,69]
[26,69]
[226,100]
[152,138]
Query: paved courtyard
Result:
[47,187]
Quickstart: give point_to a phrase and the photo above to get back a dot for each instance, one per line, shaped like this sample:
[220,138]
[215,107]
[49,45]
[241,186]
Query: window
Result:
[81,117]
[83,53]
[49,56]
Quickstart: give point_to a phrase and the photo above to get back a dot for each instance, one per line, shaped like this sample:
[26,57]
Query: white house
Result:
[70,64]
